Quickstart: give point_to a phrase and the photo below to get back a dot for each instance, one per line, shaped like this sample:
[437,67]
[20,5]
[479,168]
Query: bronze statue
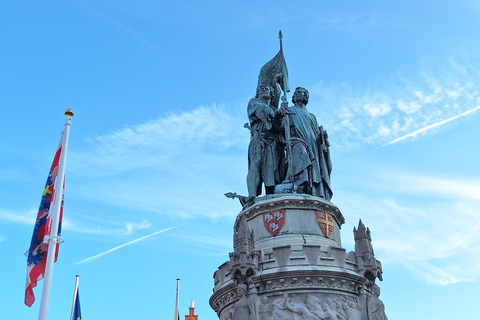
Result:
[308,154]
[265,152]
[288,151]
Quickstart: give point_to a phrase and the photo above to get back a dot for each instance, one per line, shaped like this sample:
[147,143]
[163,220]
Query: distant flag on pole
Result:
[37,253]
[77,314]
[176,314]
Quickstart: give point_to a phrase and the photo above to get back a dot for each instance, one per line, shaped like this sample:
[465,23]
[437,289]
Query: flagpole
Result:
[175,314]
[74,297]
[53,239]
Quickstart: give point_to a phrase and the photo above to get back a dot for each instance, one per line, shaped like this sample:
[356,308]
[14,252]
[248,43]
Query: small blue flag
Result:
[77,314]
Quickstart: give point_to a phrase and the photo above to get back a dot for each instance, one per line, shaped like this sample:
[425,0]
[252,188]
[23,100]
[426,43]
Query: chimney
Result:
[191,312]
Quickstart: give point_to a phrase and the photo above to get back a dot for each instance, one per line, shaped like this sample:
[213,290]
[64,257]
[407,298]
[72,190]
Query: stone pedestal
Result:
[288,263]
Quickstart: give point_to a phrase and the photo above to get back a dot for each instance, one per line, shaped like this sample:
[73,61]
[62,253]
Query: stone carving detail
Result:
[273,221]
[310,282]
[287,307]
[223,300]
[265,308]
[244,308]
[325,221]
[376,309]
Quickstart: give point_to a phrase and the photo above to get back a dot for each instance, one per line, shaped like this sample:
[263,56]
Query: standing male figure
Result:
[306,163]
[265,152]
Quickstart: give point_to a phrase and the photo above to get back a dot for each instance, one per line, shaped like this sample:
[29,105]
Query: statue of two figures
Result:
[288,152]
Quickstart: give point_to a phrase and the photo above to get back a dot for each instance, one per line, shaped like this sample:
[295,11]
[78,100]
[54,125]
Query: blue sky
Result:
[160,90]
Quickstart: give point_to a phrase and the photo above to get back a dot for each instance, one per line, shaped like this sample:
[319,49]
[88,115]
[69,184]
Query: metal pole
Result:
[57,205]
[288,138]
[74,296]
[175,314]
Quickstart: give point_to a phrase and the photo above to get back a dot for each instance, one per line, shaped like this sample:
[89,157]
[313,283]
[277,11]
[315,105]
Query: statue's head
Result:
[300,96]
[241,290]
[265,92]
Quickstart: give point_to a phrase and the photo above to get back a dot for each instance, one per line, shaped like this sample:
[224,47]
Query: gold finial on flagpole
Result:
[69,113]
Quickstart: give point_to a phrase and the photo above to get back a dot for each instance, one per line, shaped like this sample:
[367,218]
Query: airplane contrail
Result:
[431,126]
[121,246]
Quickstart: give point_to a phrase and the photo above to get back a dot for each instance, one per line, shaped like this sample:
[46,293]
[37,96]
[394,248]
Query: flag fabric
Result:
[37,253]
[273,72]
[277,67]
[77,314]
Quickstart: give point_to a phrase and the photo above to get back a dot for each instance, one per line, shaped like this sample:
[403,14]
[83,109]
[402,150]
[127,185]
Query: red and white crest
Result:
[325,221]
[273,221]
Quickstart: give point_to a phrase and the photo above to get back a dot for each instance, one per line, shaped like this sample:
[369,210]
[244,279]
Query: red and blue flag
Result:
[37,253]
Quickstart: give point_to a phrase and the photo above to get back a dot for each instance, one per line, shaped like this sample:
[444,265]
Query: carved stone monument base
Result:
[288,263]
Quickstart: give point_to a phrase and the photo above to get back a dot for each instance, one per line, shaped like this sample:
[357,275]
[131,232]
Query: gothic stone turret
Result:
[244,259]
[364,256]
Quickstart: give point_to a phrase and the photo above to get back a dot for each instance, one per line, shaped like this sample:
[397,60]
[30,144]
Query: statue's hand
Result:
[277,78]
[281,112]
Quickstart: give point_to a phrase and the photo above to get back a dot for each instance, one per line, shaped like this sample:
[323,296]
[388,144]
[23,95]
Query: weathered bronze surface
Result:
[288,151]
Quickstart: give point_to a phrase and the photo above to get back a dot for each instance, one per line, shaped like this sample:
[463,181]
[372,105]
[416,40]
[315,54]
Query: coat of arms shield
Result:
[325,221]
[273,221]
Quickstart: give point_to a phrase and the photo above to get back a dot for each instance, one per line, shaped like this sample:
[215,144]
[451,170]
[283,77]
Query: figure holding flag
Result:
[265,152]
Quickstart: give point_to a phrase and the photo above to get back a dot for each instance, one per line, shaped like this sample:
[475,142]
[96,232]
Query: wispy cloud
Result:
[104,228]
[132,227]
[18,217]
[432,126]
[72,224]
[155,143]
[116,23]
[121,246]
[179,165]
[398,108]
[431,226]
